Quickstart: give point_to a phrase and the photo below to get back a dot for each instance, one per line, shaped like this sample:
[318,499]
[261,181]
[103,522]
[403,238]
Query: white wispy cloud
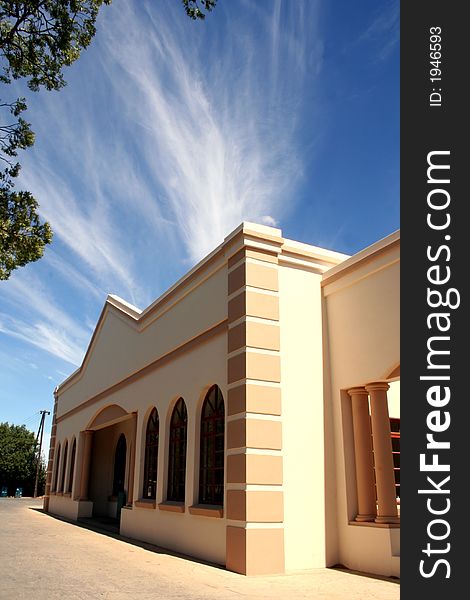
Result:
[162,140]
[84,225]
[46,337]
[217,129]
[73,277]
[189,142]
[41,322]
[384,29]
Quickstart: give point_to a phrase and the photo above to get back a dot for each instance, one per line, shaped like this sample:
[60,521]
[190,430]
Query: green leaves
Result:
[195,8]
[14,135]
[38,38]
[22,236]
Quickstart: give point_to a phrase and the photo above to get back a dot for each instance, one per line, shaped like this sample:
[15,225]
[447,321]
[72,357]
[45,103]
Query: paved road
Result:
[45,558]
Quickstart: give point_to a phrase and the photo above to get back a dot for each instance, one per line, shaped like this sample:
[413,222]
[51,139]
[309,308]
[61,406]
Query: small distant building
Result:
[250,415]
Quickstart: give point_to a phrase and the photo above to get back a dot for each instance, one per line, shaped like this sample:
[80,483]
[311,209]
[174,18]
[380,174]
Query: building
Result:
[250,415]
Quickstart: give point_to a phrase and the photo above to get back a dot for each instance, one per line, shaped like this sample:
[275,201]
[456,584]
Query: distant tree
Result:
[18,460]
[38,38]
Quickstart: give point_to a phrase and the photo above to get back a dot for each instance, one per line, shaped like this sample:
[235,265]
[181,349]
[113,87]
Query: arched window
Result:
[177,452]
[151,456]
[72,465]
[55,474]
[64,466]
[119,465]
[211,464]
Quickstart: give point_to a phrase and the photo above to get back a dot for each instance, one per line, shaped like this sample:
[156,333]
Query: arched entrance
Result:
[107,462]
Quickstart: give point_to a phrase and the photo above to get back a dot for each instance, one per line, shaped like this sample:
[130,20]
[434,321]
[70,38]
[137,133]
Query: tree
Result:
[22,235]
[38,38]
[18,460]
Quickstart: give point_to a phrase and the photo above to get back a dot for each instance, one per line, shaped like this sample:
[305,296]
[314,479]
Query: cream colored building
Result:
[245,416]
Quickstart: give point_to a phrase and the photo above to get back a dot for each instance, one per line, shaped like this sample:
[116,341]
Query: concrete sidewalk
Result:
[43,558]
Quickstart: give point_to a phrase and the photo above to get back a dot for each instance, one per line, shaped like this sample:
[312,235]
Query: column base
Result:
[364,518]
[385,519]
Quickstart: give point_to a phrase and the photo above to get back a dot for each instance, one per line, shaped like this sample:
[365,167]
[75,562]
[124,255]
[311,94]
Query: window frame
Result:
[73,453]
[55,473]
[62,481]
[211,448]
[152,440]
[177,452]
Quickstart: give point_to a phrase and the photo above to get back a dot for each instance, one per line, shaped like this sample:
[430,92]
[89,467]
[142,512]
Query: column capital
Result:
[358,391]
[377,386]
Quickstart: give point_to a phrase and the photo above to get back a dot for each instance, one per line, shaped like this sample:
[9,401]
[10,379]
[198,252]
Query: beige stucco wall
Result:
[302,415]
[393,397]
[203,367]
[203,537]
[118,350]
[361,345]
[71,509]
[337,330]
[121,345]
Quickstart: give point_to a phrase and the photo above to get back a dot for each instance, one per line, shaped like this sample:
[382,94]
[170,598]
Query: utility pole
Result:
[40,431]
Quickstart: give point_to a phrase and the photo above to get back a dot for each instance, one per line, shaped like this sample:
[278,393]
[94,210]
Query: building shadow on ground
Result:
[110,528]
[344,569]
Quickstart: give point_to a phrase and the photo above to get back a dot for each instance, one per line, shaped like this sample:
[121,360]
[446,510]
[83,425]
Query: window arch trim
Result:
[55,473]
[63,468]
[212,449]
[73,453]
[152,439]
[177,451]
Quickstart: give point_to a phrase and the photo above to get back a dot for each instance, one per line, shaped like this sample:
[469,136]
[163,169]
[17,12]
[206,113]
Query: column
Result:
[87,444]
[130,491]
[254,499]
[383,459]
[366,505]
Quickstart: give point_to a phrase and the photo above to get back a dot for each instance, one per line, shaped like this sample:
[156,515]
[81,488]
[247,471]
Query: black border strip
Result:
[434,124]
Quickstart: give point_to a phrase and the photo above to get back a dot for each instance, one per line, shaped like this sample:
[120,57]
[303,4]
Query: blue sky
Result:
[170,133]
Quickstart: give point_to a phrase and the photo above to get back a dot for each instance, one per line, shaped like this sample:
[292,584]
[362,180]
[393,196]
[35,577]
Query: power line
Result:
[30,419]
[40,431]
